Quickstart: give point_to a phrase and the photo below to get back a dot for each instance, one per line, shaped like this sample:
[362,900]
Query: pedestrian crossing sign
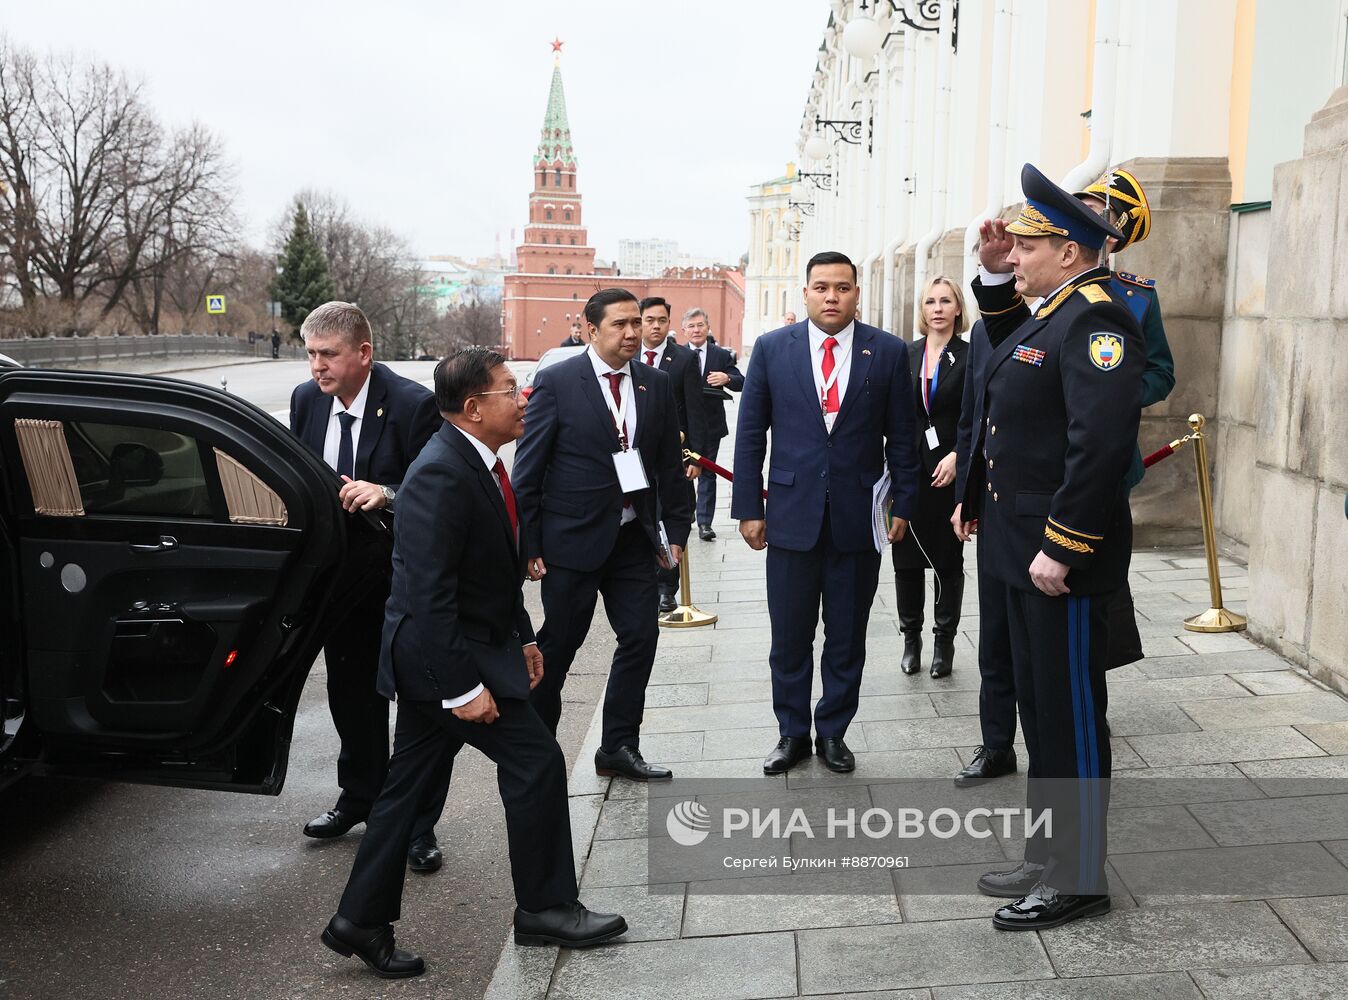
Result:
[215,305]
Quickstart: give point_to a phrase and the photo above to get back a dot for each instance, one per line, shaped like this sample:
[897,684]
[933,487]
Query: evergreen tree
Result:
[303,282]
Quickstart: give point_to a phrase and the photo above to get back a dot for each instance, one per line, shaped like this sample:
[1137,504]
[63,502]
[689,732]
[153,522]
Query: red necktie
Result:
[615,381]
[831,397]
[508,495]
[650,358]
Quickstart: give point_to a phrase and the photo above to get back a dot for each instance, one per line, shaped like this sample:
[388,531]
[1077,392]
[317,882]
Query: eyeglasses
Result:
[513,392]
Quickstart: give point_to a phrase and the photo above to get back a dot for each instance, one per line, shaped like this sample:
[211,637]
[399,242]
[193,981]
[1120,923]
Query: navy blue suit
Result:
[400,417]
[820,544]
[571,506]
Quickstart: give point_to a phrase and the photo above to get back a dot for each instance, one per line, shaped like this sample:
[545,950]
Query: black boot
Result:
[947,621]
[909,588]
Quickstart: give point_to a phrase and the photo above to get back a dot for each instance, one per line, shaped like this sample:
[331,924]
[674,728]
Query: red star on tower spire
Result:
[557,44]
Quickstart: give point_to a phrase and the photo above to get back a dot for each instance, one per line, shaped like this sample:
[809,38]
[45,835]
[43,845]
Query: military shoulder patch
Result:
[1094,293]
[1106,351]
[1135,279]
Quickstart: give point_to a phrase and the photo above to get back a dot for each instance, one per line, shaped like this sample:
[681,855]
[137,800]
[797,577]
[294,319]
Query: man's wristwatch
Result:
[389,494]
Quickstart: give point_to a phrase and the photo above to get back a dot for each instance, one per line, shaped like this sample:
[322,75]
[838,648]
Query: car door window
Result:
[138,470]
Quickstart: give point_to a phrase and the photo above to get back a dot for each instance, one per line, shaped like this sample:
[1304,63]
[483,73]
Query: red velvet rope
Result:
[725,474]
[1165,451]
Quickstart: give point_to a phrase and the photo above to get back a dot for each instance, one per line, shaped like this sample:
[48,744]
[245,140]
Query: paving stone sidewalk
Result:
[1255,748]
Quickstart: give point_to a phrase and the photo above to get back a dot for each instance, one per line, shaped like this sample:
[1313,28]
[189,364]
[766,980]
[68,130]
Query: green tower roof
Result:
[554,140]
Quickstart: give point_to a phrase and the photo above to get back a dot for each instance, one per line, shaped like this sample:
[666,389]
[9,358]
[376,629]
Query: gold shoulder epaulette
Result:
[1135,279]
[1094,293]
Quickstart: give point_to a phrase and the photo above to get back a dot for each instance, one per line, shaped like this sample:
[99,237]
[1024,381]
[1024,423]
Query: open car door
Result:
[170,555]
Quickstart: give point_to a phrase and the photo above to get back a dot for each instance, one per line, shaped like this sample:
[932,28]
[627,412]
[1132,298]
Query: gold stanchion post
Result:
[687,615]
[1216,618]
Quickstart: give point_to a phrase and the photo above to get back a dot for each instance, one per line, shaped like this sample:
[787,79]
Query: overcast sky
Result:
[424,115]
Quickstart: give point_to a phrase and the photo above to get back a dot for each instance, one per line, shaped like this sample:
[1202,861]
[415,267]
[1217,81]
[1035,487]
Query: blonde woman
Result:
[937,360]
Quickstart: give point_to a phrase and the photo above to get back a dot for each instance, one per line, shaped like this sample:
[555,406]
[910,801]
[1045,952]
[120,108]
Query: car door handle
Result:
[166,543]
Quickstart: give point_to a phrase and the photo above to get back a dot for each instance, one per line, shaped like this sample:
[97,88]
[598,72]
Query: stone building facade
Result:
[919,122]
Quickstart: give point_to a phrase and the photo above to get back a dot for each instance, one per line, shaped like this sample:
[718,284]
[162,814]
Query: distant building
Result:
[557,267]
[644,258]
[773,281]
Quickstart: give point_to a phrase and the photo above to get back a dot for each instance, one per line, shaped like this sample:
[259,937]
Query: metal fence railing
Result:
[72,352]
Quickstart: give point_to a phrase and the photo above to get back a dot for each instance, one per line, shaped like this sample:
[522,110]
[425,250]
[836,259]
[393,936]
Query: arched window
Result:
[551,269]
[783,301]
[568,270]
[559,176]
[573,241]
[568,215]
[548,215]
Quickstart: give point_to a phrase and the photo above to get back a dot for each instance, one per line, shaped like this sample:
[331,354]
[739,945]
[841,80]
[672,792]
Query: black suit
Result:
[997,682]
[681,366]
[571,505]
[400,417]
[456,618]
[1062,397]
[718,359]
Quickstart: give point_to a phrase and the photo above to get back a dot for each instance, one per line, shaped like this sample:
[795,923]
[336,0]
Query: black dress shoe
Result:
[1013,884]
[912,655]
[1046,907]
[373,947]
[943,657]
[626,762]
[332,823]
[986,765]
[668,602]
[705,533]
[837,757]
[789,751]
[569,925]
[424,855]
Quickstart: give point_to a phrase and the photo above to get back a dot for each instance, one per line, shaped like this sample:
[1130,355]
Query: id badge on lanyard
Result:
[627,460]
[928,394]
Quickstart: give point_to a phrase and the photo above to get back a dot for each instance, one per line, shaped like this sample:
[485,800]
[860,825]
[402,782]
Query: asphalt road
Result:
[133,891]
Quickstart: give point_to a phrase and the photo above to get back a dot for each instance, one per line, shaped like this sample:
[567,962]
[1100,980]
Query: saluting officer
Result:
[1119,195]
[1062,398]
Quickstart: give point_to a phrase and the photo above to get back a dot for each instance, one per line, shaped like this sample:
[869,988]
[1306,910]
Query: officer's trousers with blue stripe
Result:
[1058,652]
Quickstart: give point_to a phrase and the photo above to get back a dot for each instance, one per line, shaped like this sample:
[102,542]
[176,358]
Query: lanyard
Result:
[619,412]
[840,358]
[929,390]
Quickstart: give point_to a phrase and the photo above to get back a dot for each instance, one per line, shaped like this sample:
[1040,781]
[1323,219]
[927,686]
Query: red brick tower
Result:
[555,242]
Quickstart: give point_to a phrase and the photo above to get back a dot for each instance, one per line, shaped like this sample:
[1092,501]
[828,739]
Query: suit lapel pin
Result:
[641,388]
[379,412]
[866,352]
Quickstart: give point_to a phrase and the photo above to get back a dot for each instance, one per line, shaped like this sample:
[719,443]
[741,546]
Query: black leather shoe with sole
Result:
[986,765]
[789,751]
[1045,907]
[374,947]
[570,925]
[836,756]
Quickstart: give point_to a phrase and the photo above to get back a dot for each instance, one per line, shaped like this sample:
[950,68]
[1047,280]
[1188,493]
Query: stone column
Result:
[1298,529]
[1186,254]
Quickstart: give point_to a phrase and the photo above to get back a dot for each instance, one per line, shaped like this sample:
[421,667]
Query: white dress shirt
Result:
[842,360]
[332,442]
[659,356]
[701,353]
[601,370]
[489,460]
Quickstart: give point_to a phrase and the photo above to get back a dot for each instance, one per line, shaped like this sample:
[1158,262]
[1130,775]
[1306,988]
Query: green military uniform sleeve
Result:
[1159,376]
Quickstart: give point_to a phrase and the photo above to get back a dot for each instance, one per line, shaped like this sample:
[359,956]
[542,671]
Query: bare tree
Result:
[474,322]
[98,200]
